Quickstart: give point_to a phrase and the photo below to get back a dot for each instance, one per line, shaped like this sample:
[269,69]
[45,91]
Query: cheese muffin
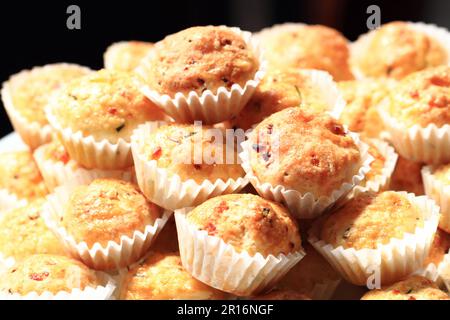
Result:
[282,295]
[422,98]
[161,276]
[369,220]
[439,248]
[363,98]
[442,174]
[105,210]
[407,177]
[307,47]
[310,275]
[190,152]
[412,288]
[106,105]
[126,55]
[54,151]
[199,59]
[396,50]
[47,273]
[303,151]
[248,223]
[278,90]
[23,232]
[20,176]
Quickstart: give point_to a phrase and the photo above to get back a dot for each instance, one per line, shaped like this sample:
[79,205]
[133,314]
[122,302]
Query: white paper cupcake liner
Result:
[440,274]
[101,292]
[100,257]
[440,193]
[168,190]
[392,261]
[9,201]
[32,133]
[57,173]
[441,35]
[305,206]
[208,107]
[212,261]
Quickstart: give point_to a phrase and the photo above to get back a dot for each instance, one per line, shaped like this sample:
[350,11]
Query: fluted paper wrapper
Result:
[305,206]
[393,261]
[429,144]
[57,173]
[440,193]
[209,107]
[441,35]
[167,189]
[440,274]
[100,257]
[212,261]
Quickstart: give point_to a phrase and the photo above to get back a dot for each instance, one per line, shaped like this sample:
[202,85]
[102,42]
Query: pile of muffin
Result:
[343,174]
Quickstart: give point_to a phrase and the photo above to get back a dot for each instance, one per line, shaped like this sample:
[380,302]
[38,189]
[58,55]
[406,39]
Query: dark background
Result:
[35,33]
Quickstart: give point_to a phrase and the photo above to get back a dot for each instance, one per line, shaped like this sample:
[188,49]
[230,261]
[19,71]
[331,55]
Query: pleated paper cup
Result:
[209,107]
[112,256]
[440,193]
[212,261]
[305,206]
[392,261]
[167,189]
[441,35]
[32,133]
[428,145]
[9,201]
[440,273]
[102,292]
[58,173]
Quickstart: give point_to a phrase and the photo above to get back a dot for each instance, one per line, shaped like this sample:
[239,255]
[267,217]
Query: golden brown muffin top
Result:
[412,288]
[442,174]
[397,50]
[126,55]
[307,47]
[407,177]
[370,219]
[377,165]
[278,90]
[105,104]
[313,269]
[162,277]
[55,151]
[362,97]
[422,98]
[304,151]
[20,175]
[439,248]
[248,223]
[282,295]
[199,59]
[32,90]
[107,209]
[23,232]
[44,272]
[191,152]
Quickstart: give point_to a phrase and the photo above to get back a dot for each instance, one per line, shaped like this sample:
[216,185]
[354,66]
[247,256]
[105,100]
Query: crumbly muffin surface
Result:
[126,55]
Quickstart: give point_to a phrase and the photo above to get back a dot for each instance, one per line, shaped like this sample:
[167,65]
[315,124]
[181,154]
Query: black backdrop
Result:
[35,33]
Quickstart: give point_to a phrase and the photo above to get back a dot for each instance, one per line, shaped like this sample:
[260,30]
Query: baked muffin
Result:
[307,47]
[370,219]
[412,288]
[199,59]
[439,248]
[422,98]
[278,90]
[46,272]
[126,55]
[363,98]
[172,147]
[407,177]
[162,277]
[23,232]
[248,223]
[20,176]
[442,174]
[282,295]
[312,276]
[396,50]
[105,210]
[303,151]
[105,105]
[54,151]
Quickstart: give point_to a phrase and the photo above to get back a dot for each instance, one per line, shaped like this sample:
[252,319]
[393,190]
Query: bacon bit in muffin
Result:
[414,94]
[112,110]
[339,130]
[222,207]
[157,153]
[440,82]
[438,102]
[210,228]
[396,291]
[39,276]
